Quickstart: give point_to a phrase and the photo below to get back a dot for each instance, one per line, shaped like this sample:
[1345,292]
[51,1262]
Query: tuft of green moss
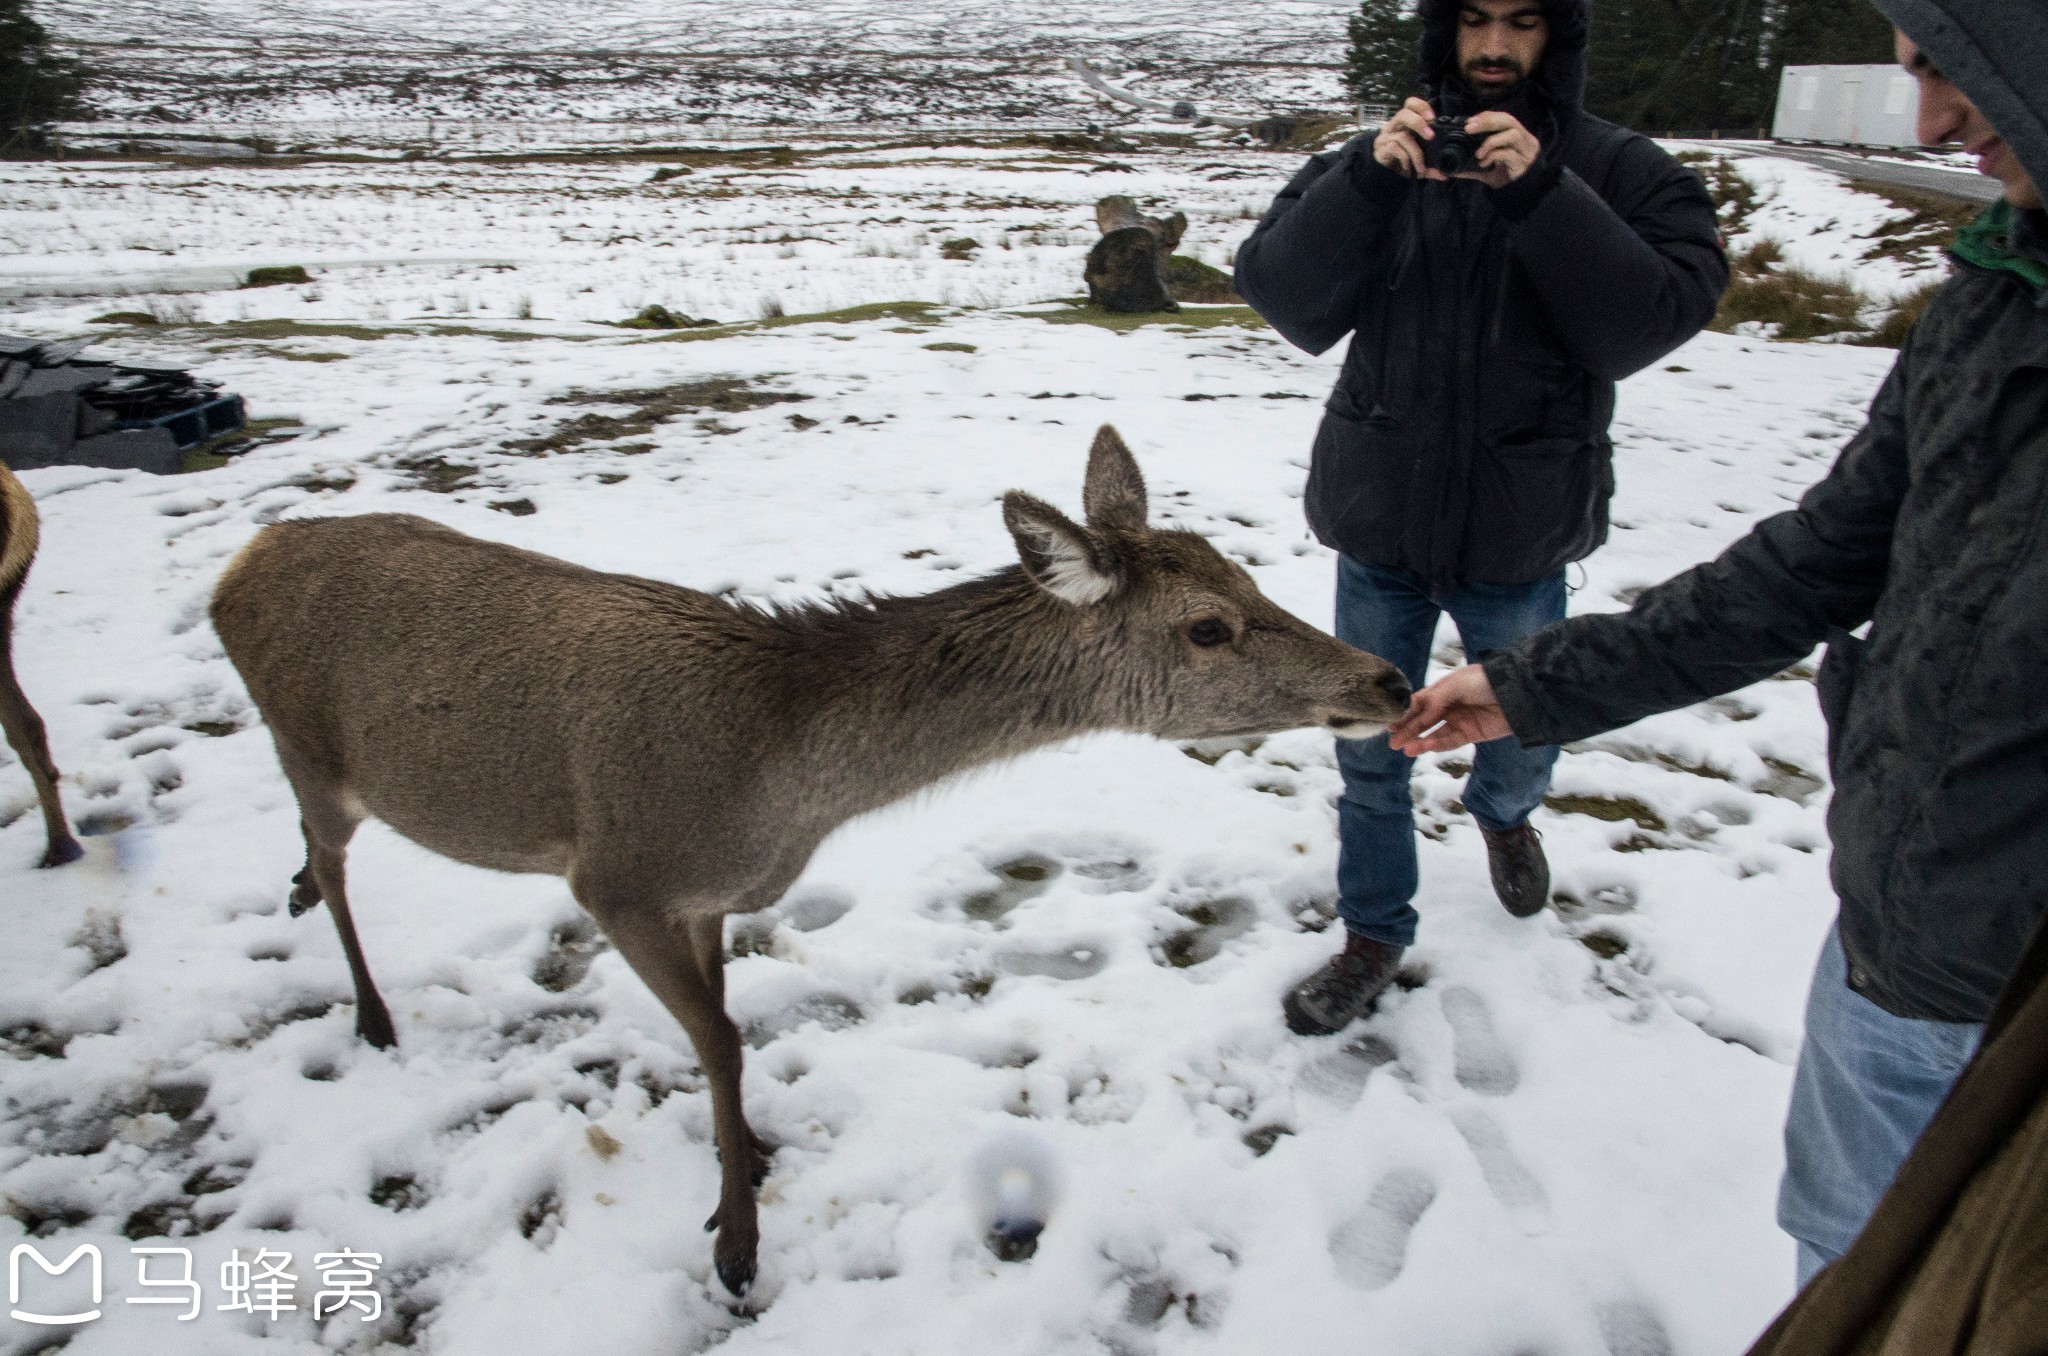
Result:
[661,318]
[1189,279]
[277,276]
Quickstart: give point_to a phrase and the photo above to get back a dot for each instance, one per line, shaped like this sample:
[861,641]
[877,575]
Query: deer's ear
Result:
[1114,493]
[1058,554]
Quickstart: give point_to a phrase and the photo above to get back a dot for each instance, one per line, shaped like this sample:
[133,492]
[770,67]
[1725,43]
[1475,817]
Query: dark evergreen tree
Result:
[1680,65]
[37,87]
[1379,66]
[1829,33]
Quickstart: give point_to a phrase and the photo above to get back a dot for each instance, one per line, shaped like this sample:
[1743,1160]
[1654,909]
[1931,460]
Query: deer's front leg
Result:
[684,966]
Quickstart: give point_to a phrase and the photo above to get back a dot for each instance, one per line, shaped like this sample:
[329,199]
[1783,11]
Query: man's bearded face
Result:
[1499,44]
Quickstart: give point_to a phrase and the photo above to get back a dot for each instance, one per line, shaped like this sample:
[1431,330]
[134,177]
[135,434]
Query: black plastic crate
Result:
[194,426]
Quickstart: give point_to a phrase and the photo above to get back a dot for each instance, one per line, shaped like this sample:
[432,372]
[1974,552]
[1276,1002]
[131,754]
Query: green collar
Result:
[1990,243]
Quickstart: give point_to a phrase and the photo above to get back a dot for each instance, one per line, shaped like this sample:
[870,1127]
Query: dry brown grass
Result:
[1794,302]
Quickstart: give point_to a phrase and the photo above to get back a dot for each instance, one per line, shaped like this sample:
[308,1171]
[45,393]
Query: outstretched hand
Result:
[1457,709]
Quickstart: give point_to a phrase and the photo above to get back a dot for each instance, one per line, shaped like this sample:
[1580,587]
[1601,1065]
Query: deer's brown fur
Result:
[25,734]
[678,757]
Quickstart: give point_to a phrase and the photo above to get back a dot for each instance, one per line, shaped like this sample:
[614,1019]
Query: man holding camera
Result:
[1500,258]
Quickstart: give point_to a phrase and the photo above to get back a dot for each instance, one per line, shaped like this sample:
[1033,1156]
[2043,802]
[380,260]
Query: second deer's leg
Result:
[328,825]
[305,890]
[25,734]
[684,966]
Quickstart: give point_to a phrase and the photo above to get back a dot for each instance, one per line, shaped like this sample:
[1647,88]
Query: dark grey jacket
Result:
[1933,528]
[1467,435]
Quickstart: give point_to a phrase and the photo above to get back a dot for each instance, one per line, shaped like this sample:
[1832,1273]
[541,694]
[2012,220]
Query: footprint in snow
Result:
[831,1011]
[1019,879]
[1371,1247]
[1484,1064]
[1210,924]
[1074,962]
[1340,1076]
[1511,1182]
[1631,1328]
[1097,869]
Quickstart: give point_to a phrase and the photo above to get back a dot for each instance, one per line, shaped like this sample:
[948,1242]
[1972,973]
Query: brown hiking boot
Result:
[1344,989]
[1521,876]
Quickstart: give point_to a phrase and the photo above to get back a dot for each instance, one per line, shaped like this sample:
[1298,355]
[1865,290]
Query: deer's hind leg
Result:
[24,729]
[684,964]
[328,822]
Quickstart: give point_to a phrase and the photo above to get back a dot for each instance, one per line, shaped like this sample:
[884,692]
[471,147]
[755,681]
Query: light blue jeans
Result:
[1867,1085]
[1393,613]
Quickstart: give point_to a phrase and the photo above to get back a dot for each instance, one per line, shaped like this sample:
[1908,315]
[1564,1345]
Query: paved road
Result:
[1969,187]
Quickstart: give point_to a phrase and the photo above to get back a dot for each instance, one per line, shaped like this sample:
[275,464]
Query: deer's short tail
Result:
[18,536]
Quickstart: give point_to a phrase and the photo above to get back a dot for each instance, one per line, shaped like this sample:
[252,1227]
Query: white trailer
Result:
[1847,106]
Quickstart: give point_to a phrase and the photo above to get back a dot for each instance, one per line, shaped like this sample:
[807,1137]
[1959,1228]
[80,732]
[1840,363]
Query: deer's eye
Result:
[1208,632]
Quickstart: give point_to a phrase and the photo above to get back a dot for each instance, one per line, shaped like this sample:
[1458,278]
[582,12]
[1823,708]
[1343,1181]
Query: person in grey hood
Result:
[1932,529]
[1463,459]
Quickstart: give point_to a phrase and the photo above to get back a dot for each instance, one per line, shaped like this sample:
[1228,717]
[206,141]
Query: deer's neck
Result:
[910,691]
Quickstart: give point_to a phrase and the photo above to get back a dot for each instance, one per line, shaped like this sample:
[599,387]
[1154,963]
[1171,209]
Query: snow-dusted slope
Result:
[1561,1138]
[692,61]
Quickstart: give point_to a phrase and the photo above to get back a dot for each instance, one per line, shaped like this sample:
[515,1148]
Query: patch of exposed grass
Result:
[1931,222]
[438,475]
[658,317]
[218,450]
[1892,332]
[124,318]
[852,315]
[1198,318]
[1793,302]
[1613,809]
[277,276]
[1189,279]
[1734,196]
[647,410]
[261,330]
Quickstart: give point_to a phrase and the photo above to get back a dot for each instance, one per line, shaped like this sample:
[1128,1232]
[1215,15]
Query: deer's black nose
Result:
[1396,687]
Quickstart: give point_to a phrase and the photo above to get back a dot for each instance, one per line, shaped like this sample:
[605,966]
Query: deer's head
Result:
[1196,651]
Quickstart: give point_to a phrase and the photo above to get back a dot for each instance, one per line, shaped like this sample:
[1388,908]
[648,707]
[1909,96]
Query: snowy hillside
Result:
[1559,1136]
[845,62]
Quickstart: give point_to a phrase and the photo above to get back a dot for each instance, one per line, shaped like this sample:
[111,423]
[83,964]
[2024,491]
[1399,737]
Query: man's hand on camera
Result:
[1400,141]
[1507,152]
[1506,148]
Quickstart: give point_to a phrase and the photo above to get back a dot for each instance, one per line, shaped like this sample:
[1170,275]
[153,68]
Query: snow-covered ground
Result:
[1561,1136]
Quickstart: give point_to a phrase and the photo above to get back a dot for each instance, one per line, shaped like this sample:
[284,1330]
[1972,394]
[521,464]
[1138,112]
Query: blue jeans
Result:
[1393,613]
[1867,1085]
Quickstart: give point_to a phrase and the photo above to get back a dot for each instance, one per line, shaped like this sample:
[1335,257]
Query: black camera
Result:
[1453,148]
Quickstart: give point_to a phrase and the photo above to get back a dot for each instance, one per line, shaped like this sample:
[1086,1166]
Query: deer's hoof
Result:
[737,1272]
[375,1027]
[305,894]
[62,852]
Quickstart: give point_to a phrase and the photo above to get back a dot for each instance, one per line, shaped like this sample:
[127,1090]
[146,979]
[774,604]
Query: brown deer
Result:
[678,757]
[18,537]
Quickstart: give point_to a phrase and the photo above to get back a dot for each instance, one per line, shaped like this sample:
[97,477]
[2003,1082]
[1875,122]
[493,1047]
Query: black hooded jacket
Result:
[1933,529]
[1466,439]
